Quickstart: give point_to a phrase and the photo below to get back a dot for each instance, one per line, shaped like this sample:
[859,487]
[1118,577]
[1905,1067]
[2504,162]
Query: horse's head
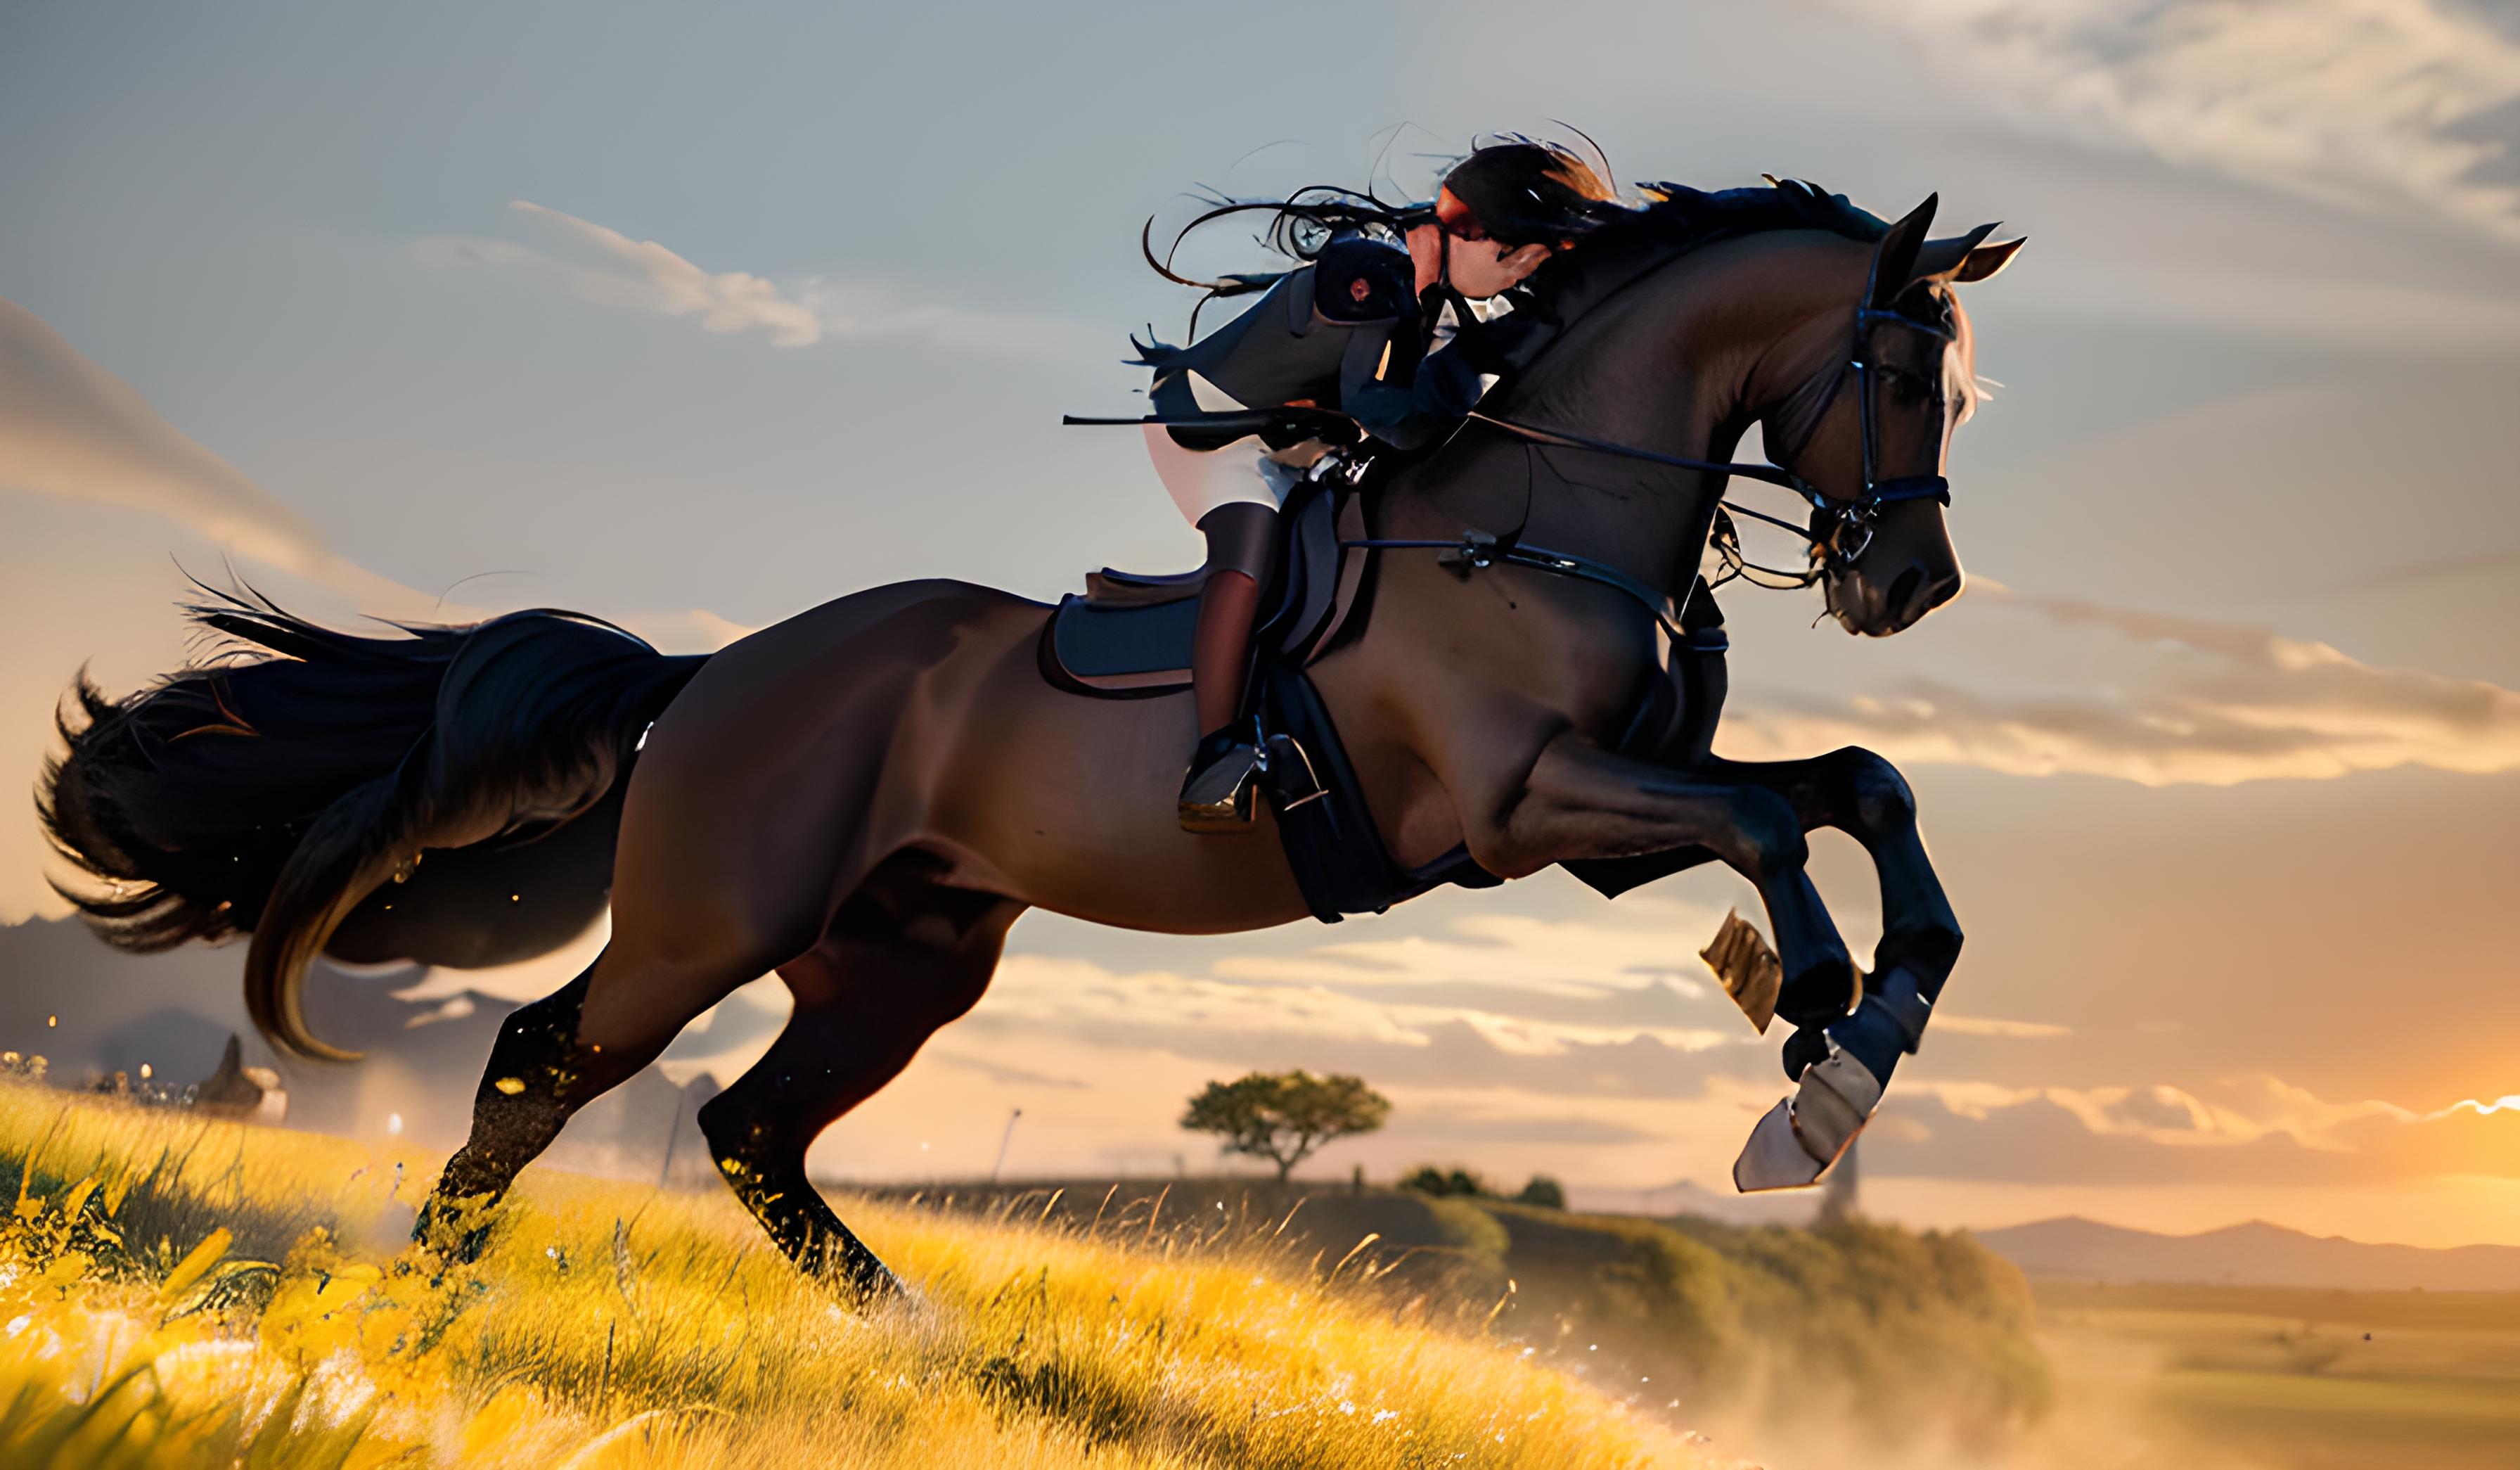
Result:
[1872,437]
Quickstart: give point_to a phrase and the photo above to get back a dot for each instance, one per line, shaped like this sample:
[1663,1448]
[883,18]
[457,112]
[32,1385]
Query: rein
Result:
[1840,533]
[1852,519]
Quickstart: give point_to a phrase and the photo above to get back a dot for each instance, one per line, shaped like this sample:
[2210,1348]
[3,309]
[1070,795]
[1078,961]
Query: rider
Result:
[1370,335]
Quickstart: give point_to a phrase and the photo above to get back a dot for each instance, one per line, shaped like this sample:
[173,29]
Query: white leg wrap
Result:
[1795,1141]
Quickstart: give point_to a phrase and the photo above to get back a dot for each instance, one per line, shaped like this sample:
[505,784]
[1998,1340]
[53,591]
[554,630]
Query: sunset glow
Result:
[2219,762]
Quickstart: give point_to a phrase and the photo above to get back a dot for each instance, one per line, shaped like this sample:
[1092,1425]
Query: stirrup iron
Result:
[1217,795]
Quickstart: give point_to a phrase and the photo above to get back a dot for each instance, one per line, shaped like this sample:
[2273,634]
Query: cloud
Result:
[600,264]
[1456,1126]
[2250,1126]
[2363,103]
[612,269]
[2207,703]
[72,429]
[1949,1024]
[2433,570]
[1005,1076]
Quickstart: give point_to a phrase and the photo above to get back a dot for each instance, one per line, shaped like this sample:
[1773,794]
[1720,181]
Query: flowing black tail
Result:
[290,784]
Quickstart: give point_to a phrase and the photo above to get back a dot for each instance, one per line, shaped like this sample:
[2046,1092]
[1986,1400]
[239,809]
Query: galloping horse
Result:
[864,797]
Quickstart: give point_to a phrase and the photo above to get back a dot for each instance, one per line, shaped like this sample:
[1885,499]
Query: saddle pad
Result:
[1134,650]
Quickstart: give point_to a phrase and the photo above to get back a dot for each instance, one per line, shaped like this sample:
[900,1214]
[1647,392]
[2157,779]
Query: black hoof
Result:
[431,1234]
[877,1284]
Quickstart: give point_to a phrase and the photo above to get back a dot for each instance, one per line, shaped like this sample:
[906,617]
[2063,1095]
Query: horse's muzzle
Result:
[1864,606]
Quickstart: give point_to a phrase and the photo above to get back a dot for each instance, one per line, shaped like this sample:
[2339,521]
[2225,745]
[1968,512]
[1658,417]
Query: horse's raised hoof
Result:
[1795,1141]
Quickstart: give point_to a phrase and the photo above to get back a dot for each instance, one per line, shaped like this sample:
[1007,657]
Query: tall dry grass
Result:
[175,1292]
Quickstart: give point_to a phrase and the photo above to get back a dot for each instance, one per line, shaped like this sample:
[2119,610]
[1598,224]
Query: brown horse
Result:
[864,797]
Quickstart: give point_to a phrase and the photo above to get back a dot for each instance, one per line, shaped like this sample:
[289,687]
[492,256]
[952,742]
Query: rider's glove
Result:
[1294,426]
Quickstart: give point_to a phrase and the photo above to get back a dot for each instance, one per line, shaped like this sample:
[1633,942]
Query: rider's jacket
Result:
[1344,333]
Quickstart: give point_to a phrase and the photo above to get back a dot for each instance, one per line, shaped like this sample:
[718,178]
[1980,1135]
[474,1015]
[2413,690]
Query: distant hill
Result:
[2256,1254]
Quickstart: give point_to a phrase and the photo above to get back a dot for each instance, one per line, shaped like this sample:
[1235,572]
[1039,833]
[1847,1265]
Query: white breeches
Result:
[1244,471]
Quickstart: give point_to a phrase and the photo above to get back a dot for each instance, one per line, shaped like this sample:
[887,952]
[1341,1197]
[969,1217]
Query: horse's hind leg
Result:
[542,1070]
[904,956]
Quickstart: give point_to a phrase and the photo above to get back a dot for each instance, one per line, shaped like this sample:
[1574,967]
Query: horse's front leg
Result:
[1578,800]
[1843,1065]
[1864,796]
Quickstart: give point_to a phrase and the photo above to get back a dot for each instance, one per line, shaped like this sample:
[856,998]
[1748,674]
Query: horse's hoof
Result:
[865,1283]
[451,1244]
[1796,1141]
[1775,1158]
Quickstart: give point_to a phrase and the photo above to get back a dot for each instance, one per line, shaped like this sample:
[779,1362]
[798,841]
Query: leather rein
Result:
[1840,530]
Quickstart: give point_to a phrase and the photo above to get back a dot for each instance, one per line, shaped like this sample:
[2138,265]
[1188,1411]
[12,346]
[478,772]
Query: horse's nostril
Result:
[1945,589]
[1900,591]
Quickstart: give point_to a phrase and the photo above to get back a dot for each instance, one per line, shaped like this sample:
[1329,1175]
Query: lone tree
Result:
[1282,1116]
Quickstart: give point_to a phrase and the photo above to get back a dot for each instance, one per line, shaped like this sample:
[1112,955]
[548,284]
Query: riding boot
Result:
[1218,790]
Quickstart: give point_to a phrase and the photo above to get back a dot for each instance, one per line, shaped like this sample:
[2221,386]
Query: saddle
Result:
[1128,636]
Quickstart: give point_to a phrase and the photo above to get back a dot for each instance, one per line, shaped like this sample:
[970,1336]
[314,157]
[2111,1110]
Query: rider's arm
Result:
[1420,410]
[1388,384]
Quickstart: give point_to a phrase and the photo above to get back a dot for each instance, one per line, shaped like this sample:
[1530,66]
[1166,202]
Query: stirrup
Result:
[1217,793]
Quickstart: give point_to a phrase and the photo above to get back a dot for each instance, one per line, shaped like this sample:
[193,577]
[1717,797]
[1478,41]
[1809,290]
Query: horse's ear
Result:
[1986,259]
[1937,259]
[1894,260]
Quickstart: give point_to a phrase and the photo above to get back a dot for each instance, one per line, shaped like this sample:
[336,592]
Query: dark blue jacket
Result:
[1345,333]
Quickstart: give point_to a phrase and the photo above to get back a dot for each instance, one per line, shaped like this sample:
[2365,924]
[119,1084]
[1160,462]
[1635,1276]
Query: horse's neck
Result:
[1676,364]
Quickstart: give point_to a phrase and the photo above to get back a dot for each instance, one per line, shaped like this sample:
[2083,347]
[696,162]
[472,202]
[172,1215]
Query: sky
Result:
[694,318]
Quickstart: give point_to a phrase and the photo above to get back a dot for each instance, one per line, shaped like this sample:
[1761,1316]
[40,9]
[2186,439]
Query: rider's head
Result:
[1502,211]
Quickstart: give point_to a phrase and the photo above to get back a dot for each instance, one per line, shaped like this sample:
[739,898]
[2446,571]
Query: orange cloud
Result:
[2209,702]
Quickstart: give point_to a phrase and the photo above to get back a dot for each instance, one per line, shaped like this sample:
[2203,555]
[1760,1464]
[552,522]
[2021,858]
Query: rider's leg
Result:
[1242,548]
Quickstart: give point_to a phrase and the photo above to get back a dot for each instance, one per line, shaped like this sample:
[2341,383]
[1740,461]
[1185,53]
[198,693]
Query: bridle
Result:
[1839,531]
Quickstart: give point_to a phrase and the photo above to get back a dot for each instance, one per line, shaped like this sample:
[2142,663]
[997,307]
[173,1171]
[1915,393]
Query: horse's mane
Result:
[1677,221]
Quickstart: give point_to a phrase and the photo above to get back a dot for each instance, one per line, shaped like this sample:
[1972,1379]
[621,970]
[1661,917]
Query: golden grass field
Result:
[179,1292]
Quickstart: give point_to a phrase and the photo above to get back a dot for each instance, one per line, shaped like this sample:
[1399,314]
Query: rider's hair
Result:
[1514,189]
[1522,191]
